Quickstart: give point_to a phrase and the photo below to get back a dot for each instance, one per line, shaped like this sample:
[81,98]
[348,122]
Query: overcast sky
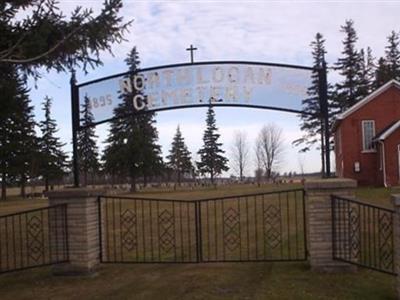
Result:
[268,31]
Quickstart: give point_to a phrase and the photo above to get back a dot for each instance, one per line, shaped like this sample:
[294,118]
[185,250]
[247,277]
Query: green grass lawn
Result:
[263,226]
[377,195]
[185,193]
[17,204]
[199,281]
[259,280]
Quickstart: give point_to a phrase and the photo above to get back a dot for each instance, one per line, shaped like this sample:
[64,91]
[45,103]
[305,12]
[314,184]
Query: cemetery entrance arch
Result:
[257,85]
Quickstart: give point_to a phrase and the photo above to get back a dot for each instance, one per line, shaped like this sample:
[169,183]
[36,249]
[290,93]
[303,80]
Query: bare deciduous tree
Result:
[240,153]
[259,164]
[270,143]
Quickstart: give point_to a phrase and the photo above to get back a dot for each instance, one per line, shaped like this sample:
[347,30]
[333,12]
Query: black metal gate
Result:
[362,234]
[33,238]
[257,227]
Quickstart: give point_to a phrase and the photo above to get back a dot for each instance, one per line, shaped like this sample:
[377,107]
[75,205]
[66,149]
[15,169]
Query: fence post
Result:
[396,240]
[319,222]
[83,232]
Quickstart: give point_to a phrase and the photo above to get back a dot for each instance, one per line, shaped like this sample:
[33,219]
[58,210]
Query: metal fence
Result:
[257,227]
[33,238]
[362,234]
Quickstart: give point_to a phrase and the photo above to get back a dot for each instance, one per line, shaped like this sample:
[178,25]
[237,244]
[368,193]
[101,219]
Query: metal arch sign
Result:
[219,83]
[222,83]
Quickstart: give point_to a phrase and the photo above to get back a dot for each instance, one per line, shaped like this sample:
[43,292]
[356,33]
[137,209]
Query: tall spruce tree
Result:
[381,73]
[150,149]
[122,154]
[132,148]
[312,124]
[37,34]
[18,143]
[212,161]
[88,152]
[114,157]
[388,67]
[53,159]
[179,158]
[149,159]
[392,56]
[7,109]
[347,91]
[370,70]
[25,162]
[366,74]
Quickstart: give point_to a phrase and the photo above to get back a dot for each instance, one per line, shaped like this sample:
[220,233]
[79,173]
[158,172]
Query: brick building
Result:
[367,138]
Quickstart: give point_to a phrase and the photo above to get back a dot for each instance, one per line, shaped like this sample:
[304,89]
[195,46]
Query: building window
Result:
[368,133]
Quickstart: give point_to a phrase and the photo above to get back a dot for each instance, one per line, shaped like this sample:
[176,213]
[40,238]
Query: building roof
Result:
[364,101]
[387,131]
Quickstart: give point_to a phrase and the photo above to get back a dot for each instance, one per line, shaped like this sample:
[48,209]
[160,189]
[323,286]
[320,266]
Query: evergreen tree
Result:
[212,160]
[392,58]
[37,34]
[53,158]
[388,67]
[87,149]
[7,109]
[150,149]
[18,143]
[132,148]
[122,155]
[312,124]
[349,66]
[113,157]
[179,158]
[25,162]
[381,73]
[367,73]
[149,159]
[370,70]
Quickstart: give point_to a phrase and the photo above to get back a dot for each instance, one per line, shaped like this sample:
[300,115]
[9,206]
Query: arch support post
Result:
[319,222]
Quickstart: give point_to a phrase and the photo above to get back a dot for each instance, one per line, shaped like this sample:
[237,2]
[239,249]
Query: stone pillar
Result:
[319,221]
[396,240]
[83,230]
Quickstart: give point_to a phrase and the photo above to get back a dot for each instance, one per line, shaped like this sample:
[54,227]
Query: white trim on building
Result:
[364,101]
